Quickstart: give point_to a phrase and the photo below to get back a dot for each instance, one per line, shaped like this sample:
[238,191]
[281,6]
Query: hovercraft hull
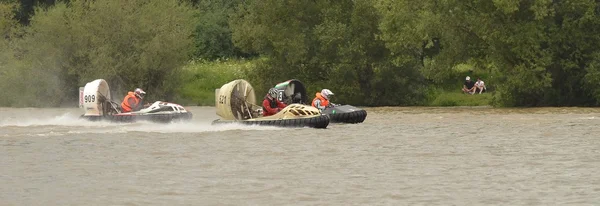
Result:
[321,121]
[128,118]
[346,114]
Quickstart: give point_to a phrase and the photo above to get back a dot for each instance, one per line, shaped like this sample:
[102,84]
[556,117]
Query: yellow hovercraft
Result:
[236,103]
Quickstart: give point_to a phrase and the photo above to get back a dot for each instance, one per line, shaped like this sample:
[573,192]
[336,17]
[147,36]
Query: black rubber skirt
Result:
[313,122]
[346,114]
[349,117]
[157,118]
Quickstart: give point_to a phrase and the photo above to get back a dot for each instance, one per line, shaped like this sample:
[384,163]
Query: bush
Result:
[130,44]
[200,78]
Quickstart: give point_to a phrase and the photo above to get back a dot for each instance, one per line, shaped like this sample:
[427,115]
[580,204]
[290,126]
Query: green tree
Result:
[8,27]
[529,45]
[7,18]
[326,44]
[130,44]
[213,35]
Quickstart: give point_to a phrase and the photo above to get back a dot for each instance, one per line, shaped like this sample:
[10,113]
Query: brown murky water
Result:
[399,156]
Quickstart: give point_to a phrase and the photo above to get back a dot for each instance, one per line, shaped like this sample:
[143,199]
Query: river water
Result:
[398,156]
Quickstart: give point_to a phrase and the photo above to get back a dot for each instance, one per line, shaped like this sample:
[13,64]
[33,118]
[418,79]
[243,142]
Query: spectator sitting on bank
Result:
[469,86]
[480,86]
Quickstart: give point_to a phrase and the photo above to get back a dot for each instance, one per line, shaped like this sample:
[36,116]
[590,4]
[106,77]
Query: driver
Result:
[133,101]
[271,105]
[321,101]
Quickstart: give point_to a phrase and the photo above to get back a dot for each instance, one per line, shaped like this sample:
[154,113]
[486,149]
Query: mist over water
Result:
[58,122]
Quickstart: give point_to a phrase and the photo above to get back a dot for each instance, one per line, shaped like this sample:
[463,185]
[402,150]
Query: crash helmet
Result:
[326,93]
[139,93]
[273,93]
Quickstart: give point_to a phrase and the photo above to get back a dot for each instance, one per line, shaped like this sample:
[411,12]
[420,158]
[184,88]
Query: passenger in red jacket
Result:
[271,105]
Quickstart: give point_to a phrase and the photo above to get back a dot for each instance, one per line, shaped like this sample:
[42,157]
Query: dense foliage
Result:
[131,44]
[369,52]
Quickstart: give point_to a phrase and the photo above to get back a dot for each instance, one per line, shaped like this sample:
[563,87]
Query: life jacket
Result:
[324,102]
[125,107]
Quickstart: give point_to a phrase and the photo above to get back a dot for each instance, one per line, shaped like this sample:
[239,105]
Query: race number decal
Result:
[222,99]
[81,97]
[280,95]
[89,98]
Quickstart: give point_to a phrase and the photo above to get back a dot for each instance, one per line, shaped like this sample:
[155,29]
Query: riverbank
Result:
[457,98]
[201,78]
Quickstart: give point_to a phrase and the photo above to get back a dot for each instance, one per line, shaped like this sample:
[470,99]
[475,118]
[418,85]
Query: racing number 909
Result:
[89,98]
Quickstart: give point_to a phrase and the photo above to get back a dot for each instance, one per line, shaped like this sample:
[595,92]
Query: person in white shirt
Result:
[479,85]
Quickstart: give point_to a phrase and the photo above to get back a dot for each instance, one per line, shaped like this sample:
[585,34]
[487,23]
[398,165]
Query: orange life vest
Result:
[125,107]
[324,102]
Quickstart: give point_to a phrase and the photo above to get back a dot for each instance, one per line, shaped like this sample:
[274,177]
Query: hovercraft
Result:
[95,100]
[293,91]
[345,114]
[235,103]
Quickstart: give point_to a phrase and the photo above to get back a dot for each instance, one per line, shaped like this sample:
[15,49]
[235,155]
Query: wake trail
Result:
[80,126]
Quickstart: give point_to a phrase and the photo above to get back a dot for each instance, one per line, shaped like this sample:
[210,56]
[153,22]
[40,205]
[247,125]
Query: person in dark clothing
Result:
[469,86]
[271,105]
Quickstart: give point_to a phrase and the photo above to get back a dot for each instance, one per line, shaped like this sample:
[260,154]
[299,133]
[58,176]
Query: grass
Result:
[201,78]
[457,98]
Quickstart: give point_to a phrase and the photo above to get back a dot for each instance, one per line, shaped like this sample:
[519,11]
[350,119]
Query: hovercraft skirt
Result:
[314,122]
[346,114]
[157,118]
[349,117]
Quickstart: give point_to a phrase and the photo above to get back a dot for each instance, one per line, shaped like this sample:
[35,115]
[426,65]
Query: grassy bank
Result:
[201,78]
[457,98]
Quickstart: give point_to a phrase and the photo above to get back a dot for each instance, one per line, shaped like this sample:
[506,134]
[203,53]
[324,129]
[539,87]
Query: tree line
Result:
[369,52]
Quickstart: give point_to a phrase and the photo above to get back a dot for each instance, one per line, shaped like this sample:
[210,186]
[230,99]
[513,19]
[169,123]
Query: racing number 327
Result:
[89,98]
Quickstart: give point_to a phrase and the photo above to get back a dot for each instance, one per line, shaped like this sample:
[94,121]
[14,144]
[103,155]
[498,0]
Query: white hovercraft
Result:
[96,101]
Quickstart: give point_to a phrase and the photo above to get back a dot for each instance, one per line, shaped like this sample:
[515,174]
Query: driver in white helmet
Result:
[133,101]
[271,105]
[322,99]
